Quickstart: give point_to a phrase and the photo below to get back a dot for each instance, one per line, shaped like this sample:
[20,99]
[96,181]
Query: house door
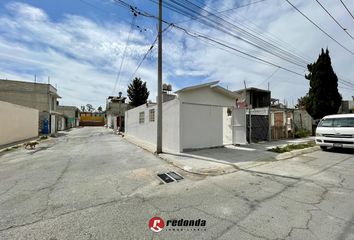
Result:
[239,126]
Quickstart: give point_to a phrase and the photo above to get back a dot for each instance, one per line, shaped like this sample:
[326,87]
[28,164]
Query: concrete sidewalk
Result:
[216,161]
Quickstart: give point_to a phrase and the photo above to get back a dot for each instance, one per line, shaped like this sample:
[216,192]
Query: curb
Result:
[297,152]
[205,172]
[18,145]
[229,167]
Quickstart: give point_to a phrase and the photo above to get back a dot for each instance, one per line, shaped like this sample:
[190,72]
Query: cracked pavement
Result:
[92,184]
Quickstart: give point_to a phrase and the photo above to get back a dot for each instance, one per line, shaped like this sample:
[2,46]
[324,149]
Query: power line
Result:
[224,26]
[269,77]
[344,29]
[198,35]
[261,33]
[144,57]
[147,53]
[318,27]
[347,9]
[227,10]
[218,23]
[345,82]
[219,42]
[124,54]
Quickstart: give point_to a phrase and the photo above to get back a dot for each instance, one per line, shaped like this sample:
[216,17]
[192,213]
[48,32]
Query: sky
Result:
[78,46]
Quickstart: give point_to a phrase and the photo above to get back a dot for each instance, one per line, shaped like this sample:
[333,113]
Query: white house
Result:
[198,117]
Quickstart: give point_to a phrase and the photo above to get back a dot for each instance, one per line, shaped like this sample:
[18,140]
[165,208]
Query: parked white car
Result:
[336,131]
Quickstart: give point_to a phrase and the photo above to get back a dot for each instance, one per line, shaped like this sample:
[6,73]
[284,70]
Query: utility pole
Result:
[159,85]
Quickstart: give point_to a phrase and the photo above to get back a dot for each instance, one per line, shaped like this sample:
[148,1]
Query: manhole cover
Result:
[169,177]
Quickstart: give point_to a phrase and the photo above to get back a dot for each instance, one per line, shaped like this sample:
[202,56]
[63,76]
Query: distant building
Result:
[115,112]
[39,96]
[347,106]
[72,115]
[92,119]
[253,98]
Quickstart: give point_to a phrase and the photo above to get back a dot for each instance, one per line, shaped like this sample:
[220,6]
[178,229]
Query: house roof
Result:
[251,89]
[223,91]
[67,107]
[197,86]
[27,82]
[213,85]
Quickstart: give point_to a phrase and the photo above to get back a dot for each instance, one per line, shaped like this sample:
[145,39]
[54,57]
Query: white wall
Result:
[206,95]
[17,123]
[201,126]
[227,127]
[147,131]
[195,119]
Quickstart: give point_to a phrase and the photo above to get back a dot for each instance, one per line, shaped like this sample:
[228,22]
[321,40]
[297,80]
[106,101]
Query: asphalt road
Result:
[91,184]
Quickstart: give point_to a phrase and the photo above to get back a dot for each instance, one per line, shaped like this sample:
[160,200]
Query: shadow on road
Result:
[341,150]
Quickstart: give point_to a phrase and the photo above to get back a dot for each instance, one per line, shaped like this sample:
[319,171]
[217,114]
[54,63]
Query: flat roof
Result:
[252,89]
[27,82]
[197,86]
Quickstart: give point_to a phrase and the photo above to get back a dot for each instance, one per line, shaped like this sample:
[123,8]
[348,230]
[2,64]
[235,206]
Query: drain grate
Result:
[175,175]
[169,177]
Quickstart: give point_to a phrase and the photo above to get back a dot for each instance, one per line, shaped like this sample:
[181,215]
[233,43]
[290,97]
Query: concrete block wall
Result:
[17,123]
[33,95]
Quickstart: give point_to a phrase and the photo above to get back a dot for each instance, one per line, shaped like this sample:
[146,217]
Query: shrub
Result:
[301,133]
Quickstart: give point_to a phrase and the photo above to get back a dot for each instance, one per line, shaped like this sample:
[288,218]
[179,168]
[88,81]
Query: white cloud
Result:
[82,56]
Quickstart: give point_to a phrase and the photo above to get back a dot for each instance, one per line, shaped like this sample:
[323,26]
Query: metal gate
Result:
[259,127]
[239,126]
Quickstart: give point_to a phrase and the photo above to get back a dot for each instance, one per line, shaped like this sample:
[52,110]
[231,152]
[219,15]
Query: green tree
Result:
[90,108]
[323,97]
[137,92]
[301,102]
[99,109]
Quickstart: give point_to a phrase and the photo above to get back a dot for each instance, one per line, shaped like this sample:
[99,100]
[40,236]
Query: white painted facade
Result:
[17,123]
[197,118]
[147,131]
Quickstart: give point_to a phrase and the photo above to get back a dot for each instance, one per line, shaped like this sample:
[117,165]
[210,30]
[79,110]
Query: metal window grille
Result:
[152,115]
[141,117]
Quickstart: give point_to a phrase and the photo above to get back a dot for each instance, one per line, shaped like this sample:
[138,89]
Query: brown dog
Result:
[31,144]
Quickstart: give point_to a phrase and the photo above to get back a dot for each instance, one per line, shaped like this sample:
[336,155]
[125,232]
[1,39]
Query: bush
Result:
[291,147]
[301,133]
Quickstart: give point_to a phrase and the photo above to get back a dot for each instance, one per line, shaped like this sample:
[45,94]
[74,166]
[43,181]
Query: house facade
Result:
[14,118]
[257,104]
[197,117]
[40,96]
[115,112]
[71,116]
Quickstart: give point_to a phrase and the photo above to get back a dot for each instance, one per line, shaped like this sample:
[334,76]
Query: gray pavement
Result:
[92,184]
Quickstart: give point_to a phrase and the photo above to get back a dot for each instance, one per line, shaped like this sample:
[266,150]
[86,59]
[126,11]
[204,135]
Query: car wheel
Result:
[323,148]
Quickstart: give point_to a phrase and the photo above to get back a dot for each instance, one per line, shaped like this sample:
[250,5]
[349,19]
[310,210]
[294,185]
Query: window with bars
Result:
[152,115]
[141,117]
